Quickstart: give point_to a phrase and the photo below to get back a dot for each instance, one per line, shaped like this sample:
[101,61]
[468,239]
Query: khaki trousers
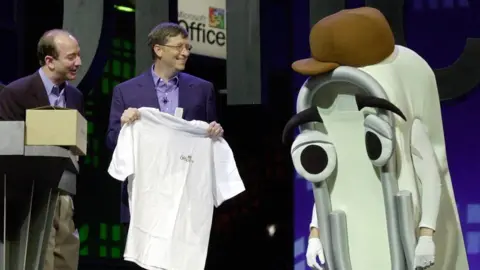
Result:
[64,244]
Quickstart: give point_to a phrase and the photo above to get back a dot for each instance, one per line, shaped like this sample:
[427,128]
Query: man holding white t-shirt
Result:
[177,174]
[163,86]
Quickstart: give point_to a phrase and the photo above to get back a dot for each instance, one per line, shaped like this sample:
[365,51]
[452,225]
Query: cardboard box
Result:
[56,126]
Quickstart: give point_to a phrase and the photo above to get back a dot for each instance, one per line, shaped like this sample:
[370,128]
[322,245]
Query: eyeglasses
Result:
[180,47]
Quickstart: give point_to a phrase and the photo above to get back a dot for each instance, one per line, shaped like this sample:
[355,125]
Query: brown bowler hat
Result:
[351,37]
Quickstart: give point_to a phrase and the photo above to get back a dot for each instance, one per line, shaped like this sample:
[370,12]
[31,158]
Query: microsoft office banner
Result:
[205,21]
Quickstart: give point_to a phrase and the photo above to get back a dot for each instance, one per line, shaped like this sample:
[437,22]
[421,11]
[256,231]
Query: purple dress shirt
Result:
[56,96]
[167,93]
[194,95]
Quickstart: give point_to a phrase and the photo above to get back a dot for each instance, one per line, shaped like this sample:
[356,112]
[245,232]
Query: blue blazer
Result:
[196,97]
[29,92]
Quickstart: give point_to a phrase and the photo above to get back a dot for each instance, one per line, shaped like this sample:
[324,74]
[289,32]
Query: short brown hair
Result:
[162,32]
[46,45]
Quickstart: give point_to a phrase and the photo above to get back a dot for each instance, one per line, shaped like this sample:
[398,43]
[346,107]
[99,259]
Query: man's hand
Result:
[425,252]
[130,115]
[215,130]
[314,250]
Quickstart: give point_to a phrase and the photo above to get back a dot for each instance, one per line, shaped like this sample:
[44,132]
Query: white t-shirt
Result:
[177,174]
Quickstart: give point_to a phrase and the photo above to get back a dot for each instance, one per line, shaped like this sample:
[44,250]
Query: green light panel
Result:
[102,239]
[119,68]
[109,242]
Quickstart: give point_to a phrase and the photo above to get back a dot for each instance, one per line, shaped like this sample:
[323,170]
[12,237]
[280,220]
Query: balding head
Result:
[58,53]
[48,44]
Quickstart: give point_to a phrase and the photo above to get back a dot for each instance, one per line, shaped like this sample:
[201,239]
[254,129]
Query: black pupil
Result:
[314,159]
[374,145]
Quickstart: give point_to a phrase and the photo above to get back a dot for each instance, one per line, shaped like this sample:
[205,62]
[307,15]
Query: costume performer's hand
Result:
[314,250]
[425,252]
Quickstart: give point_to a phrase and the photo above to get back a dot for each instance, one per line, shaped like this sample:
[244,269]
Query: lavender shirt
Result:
[167,93]
[56,96]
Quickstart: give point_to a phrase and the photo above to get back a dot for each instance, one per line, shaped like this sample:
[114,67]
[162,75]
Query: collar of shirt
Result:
[157,81]
[49,84]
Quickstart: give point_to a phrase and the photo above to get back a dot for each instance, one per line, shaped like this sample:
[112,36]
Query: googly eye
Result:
[314,156]
[378,140]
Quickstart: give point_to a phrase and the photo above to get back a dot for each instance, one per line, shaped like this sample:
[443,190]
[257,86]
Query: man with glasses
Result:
[163,86]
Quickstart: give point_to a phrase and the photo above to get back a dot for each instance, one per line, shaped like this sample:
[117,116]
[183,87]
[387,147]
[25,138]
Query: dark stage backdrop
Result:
[239,231]
[240,238]
[437,30]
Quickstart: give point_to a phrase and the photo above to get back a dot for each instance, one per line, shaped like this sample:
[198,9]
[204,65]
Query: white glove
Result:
[425,252]
[314,250]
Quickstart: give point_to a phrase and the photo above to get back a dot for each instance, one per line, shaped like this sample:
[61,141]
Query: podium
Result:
[32,178]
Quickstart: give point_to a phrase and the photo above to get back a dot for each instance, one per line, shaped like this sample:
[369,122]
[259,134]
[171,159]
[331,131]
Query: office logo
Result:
[216,18]
[186,158]
[206,24]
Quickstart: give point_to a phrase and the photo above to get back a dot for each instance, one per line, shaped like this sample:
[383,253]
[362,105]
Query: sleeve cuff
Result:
[426,225]
[116,175]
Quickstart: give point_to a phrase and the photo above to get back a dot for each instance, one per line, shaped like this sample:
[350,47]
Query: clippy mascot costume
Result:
[371,141]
